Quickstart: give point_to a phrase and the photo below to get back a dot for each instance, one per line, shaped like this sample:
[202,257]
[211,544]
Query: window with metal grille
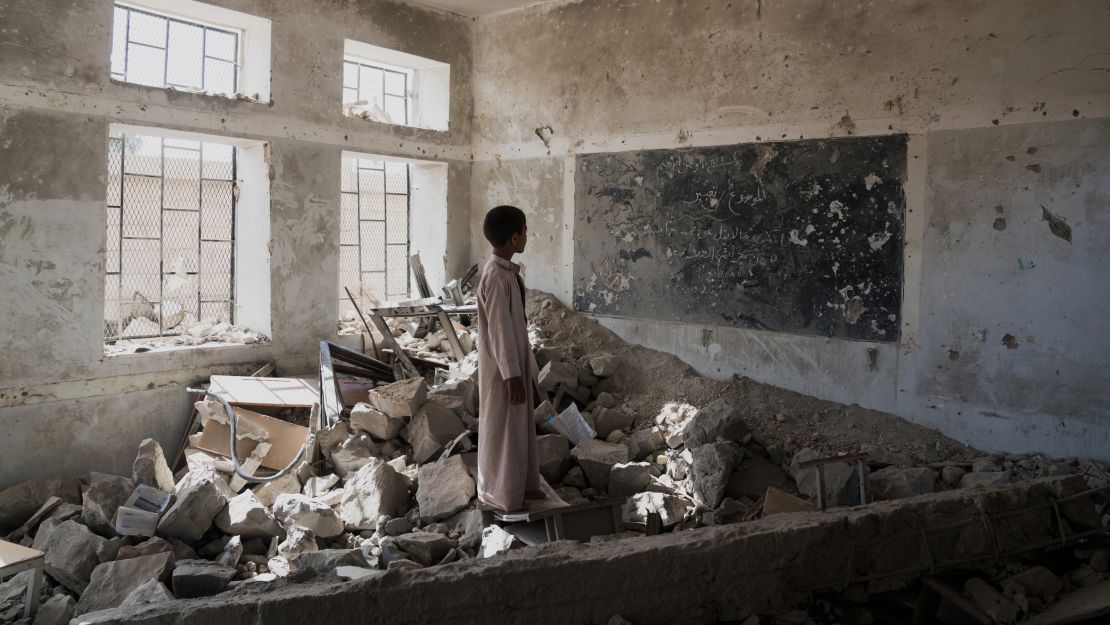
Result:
[171,235]
[374,231]
[376,91]
[164,51]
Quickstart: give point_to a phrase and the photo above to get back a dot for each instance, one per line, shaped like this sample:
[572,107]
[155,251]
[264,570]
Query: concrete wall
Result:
[966,80]
[63,405]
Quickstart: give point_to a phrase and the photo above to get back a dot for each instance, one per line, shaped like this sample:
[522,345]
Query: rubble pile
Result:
[201,333]
[393,485]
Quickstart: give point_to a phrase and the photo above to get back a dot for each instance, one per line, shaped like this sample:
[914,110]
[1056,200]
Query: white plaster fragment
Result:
[871,180]
[796,240]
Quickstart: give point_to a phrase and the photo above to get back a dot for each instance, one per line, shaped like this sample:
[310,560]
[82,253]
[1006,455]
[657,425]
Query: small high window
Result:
[395,87]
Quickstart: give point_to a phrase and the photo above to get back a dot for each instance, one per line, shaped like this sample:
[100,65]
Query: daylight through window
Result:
[380,92]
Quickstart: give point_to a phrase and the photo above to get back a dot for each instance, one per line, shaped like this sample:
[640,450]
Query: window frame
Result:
[409,75]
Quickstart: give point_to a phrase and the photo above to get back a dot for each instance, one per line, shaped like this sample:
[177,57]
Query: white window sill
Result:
[134,348]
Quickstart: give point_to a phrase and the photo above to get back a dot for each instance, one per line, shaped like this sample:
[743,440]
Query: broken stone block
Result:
[57,610]
[629,478]
[233,550]
[427,548]
[557,373]
[316,486]
[469,527]
[307,512]
[1036,582]
[711,469]
[671,508]
[101,500]
[353,454]
[597,459]
[586,379]
[298,540]
[19,502]
[575,478]
[431,429]
[995,604]
[719,420]
[952,475]
[376,490]
[152,591]
[378,424]
[985,478]
[150,467]
[400,399]
[269,491]
[245,516]
[841,480]
[443,488]
[200,578]
[112,582]
[985,465]
[327,560]
[604,365]
[496,541]
[396,527]
[643,443]
[898,483]
[609,420]
[554,456]
[109,549]
[145,548]
[71,554]
[200,498]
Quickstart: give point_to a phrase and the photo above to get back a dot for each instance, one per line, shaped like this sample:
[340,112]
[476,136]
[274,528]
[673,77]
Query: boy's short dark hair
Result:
[501,223]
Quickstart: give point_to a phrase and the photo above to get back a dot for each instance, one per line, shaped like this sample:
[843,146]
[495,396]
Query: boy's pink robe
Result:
[507,460]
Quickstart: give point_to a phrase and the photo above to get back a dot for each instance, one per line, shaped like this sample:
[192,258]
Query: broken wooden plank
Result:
[286,439]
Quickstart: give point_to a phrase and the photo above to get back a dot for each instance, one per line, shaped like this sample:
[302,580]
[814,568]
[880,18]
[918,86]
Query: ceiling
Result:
[478,8]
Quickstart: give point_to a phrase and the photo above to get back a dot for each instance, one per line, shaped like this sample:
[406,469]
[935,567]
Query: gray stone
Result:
[443,488]
[496,541]
[327,560]
[101,500]
[985,478]
[375,422]
[1037,582]
[246,516]
[109,549]
[309,513]
[898,483]
[152,591]
[202,495]
[645,442]
[42,534]
[469,526]
[557,373]
[19,502]
[396,527]
[233,550]
[604,365]
[71,554]
[554,456]
[150,467]
[57,610]
[671,508]
[298,540]
[719,420]
[985,465]
[112,582]
[609,420]
[711,469]
[353,454]
[427,548]
[317,486]
[596,458]
[576,478]
[148,547]
[376,490]
[433,426]
[400,399]
[200,578]
[404,563]
[841,480]
[952,475]
[629,478]
[267,493]
[999,607]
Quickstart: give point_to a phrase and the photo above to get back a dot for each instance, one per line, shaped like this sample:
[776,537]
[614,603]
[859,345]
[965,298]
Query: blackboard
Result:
[802,237]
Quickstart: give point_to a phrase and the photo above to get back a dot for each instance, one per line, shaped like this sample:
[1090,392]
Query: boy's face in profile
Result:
[519,240]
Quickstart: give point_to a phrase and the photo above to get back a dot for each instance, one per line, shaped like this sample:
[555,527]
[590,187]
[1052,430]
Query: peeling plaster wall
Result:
[60,399]
[618,75]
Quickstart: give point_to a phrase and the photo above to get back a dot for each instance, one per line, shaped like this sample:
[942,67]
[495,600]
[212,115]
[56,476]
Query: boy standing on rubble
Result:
[508,465]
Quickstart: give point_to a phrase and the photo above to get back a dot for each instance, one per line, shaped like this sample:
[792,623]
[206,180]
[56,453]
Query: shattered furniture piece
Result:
[138,516]
[16,559]
[551,519]
[431,307]
[818,464]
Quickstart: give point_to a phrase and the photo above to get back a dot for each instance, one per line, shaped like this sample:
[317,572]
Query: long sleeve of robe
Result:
[507,460]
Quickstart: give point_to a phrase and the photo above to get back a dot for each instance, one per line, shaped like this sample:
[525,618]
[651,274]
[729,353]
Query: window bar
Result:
[162,228]
[200,227]
[234,224]
[119,265]
[126,60]
[203,87]
[165,81]
[408,207]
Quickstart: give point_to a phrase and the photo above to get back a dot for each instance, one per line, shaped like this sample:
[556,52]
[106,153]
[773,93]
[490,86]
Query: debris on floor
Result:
[272,489]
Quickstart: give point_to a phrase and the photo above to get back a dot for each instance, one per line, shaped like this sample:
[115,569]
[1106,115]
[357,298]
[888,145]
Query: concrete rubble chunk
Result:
[269,491]
[327,560]
[315,486]
[443,488]
[152,591]
[57,610]
[246,516]
[233,550]
[671,508]
[200,578]
[433,427]
[718,420]
[71,554]
[109,549]
[992,602]
[841,480]
[100,502]
[113,581]
[353,454]
[711,469]
[604,365]
[609,420]
[400,399]
[150,467]
[629,478]
[899,483]
[952,475]
[985,465]
[427,548]
[553,451]
[395,527]
[298,540]
[307,512]
[558,373]
[496,541]
[469,526]
[643,443]
[200,497]
[19,502]
[1036,581]
[378,424]
[376,490]
[148,547]
[984,478]
[596,458]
